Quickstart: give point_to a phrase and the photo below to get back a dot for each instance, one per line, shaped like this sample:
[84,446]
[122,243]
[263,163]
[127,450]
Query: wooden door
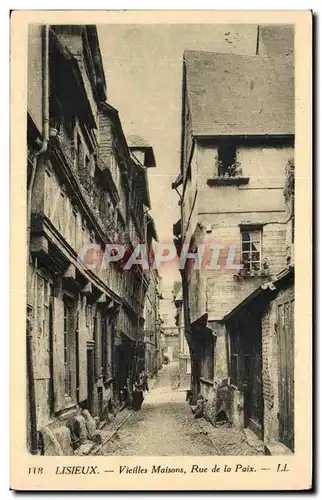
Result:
[285,332]
[253,405]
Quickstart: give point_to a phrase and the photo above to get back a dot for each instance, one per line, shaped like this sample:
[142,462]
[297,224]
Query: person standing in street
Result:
[145,385]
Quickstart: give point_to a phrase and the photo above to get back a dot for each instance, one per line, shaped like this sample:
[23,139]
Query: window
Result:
[106,348]
[43,301]
[67,349]
[251,249]
[226,163]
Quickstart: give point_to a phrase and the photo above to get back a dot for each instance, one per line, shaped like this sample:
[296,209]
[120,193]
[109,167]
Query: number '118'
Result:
[35,470]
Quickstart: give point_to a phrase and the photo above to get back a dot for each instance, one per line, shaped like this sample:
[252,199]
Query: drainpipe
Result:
[194,380]
[37,160]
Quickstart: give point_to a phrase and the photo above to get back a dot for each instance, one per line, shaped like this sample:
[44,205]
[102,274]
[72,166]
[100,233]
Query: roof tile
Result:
[231,94]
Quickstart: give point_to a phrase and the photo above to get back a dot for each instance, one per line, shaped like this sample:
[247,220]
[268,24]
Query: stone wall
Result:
[213,215]
[225,289]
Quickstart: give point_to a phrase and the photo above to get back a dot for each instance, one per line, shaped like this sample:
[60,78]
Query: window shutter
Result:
[96,337]
[82,355]
[58,354]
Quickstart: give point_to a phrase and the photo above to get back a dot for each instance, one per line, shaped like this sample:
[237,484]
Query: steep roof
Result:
[136,142]
[276,39]
[231,94]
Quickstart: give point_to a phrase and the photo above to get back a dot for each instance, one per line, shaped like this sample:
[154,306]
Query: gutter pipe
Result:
[37,160]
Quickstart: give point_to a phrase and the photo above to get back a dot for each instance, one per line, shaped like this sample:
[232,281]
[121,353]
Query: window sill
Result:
[227,181]
[261,274]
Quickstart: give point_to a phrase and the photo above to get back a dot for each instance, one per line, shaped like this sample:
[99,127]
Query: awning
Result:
[177,182]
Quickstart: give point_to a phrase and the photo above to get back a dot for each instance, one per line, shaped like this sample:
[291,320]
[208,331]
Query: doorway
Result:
[253,398]
[285,334]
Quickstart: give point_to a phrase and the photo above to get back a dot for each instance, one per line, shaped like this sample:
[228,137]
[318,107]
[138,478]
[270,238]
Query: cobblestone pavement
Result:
[230,441]
[165,426]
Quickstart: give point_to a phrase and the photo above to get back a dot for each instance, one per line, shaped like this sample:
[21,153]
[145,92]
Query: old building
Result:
[237,141]
[130,345]
[261,334]
[170,334]
[152,325]
[184,354]
[85,192]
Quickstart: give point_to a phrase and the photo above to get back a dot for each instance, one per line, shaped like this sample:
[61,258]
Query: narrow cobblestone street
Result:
[165,426]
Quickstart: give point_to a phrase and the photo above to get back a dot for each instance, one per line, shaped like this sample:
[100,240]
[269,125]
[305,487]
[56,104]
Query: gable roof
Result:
[136,142]
[231,94]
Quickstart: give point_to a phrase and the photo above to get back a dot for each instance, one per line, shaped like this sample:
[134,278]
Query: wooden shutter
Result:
[82,355]
[58,354]
[96,336]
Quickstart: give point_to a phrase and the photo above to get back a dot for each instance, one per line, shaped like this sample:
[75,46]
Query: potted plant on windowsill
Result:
[231,175]
[247,271]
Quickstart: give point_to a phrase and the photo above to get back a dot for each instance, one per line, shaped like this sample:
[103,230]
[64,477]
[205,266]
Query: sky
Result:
[143,68]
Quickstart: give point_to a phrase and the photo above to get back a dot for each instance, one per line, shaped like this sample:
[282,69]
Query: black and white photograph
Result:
[160,245]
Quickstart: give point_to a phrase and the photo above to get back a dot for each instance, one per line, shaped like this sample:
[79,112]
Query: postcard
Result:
[161,227]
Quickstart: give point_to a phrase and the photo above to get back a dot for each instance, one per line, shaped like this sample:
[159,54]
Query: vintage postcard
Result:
[161,217]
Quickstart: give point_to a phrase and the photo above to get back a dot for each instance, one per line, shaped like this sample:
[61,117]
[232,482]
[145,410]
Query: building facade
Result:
[85,191]
[184,354]
[152,325]
[237,143]
[170,334]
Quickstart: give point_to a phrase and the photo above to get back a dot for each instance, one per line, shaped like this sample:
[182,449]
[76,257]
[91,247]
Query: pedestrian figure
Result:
[199,410]
[145,385]
[137,397]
